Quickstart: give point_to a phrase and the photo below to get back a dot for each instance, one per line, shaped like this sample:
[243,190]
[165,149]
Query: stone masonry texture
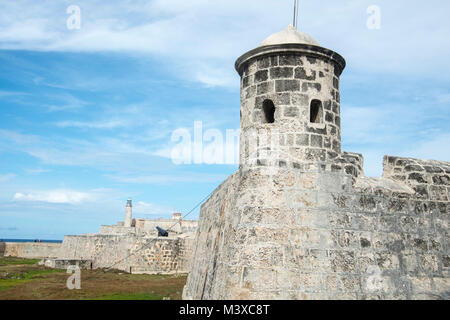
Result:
[29,250]
[135,249]
[131,253]
[311,225]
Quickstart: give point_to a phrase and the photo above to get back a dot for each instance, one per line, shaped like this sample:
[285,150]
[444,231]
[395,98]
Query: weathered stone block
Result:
[316,141]
[301,73]
[265,87]
[417,177]
[291,112]
[261,76]
[281,72]
[413,168]
[287,85]
[315,154]
[308,86]
[302,139]
[247,81]
[335,108]
[337,121]
[311,60]
[342,261]
[387,260]
[329,117]
[336,83]
[441,180]
[290,60]
[299,99]
[264,63]
[283,98]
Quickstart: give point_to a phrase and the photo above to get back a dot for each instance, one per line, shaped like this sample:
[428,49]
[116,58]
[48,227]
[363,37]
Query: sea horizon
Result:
[30,240]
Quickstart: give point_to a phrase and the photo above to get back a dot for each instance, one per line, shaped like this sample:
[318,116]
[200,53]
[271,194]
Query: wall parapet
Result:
[430,179]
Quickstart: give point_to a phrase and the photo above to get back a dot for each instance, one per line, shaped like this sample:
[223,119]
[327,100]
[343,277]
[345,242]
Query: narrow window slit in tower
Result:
[269,111]
[315,111]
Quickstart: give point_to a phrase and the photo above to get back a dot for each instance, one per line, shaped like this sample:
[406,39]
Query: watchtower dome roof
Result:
[289,35]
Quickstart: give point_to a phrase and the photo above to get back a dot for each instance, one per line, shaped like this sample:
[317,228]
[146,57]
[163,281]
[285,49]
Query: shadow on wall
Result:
[2,248]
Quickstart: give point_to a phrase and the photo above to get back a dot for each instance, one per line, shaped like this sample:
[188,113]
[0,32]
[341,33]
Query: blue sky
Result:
[87,115]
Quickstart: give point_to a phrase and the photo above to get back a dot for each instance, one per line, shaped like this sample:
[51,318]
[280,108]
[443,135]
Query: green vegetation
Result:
[9,280]
[23,279]
[32,274]
[5,261]
[10,283]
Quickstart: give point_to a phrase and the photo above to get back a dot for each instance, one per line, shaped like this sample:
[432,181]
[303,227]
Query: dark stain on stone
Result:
[311,60]
[365,243]
[261,76]
[417,177]
[300,73]
[420,244]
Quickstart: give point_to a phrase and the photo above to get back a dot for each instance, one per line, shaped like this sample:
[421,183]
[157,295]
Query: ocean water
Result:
[28,240]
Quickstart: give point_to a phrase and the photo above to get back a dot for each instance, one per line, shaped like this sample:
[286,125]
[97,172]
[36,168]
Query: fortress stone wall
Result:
[148,227]
[135,248]
[324,235]
[299,219]
[29,250]
[182,226]
[123,252]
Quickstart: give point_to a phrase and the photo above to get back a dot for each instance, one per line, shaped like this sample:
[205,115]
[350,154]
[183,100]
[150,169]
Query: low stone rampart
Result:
[29,250]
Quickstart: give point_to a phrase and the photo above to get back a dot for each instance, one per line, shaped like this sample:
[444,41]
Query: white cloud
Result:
[99,152]
[65,102]
[435,148]
[108,124]
[54,196]
[361,125]
[6,177]
[36,171]
[202,38]
[17,138]
[7,94]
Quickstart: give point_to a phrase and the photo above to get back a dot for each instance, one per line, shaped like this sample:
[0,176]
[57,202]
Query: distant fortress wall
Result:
[29,250]
[182,226]
[131,253]
[133,245]
[148,227]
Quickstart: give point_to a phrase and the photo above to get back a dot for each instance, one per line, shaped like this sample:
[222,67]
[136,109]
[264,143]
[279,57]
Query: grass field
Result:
[23,279]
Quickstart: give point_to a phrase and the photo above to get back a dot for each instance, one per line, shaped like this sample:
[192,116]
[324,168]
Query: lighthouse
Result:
[128,214]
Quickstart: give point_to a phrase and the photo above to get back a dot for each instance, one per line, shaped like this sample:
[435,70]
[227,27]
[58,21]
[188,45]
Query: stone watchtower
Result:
[128,214]
[299,220]
[290,97]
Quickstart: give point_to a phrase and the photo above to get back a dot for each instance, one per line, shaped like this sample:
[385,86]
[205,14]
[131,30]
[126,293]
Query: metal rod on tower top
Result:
[295,12]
